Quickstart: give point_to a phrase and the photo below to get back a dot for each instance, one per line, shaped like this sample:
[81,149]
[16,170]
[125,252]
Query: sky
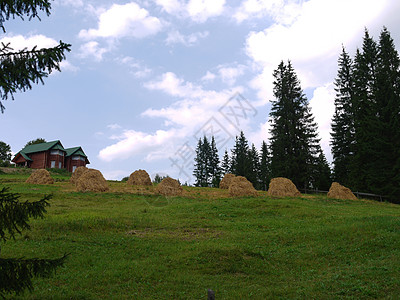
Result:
[146,79]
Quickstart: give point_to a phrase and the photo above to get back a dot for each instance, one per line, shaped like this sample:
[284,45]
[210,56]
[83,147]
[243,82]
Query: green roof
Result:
[43,147]
[25,156]
[75,151]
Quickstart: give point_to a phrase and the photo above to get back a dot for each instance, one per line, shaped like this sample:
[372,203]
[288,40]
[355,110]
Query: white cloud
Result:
[197,10]
[128,20]
[137,68]
[322,107]
[208,77]
[114,126]
[311,40]
[92,49]
[175,37]
[230,74]
[133,143]
[19,42]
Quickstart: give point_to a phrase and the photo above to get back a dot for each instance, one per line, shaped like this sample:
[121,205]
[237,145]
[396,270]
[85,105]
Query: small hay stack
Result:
[77,173]
[226,181]
[139,177]
[169,187]
[91,181]
[282,187]
[40,176]
[241,187]
[338,191]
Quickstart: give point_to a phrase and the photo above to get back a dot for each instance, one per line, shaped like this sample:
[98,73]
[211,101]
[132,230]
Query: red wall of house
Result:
[69,163]
[39,160]
[57,159]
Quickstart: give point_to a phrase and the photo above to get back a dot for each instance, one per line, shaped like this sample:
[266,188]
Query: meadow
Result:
[130,243]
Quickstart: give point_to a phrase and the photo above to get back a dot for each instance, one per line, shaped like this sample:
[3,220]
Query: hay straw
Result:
[226,181]
[91,181]
[77,173]
[338,191]
[40,176]
[241,187]
[169,187]
[139,177]
[282,187]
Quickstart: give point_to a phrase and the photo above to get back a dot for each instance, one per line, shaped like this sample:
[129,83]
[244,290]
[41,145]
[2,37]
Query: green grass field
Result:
[131,244]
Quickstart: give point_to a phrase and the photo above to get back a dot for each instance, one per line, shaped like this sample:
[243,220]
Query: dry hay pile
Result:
[169,187]
[91,181]
[282,187]
[40,176]
[77,173]
[240,187]
[139,177]
[338,191]
[226,181]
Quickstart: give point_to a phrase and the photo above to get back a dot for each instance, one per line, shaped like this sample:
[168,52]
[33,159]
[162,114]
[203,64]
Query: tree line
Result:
[366,123]
[365,136]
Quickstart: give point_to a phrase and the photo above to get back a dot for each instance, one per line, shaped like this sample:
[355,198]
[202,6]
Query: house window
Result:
[78,157]
[59,165]
[53,164]
[73,169]
[57,152]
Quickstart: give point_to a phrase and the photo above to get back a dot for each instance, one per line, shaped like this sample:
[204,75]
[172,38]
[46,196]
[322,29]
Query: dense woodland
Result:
[365,135]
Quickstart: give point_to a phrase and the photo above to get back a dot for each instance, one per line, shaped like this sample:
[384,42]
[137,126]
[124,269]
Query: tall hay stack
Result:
[282,187]
[241,187]
[91,181]
[40,176]
[77,173]
[338,191]
[139,177]
[169,187]
[226,181]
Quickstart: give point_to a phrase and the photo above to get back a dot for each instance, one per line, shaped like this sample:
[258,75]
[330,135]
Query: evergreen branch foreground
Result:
[16,273]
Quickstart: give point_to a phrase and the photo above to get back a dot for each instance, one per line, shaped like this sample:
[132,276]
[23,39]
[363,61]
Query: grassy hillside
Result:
[132,244]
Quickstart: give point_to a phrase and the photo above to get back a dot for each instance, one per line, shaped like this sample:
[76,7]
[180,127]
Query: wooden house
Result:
[51,155]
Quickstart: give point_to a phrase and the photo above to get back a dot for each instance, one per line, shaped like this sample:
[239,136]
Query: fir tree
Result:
[20,69]
[323,175]
[342,140]
[254,169]
[16,274]
[265,167]
[226,164]
[294,143]
[214,164]
[241,165]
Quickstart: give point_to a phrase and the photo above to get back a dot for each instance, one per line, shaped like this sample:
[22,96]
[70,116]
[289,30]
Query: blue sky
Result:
[144,79]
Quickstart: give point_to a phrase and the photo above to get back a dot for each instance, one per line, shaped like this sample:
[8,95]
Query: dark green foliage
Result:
[36,141]
[322,176]
[240,160]
[5,154]
[226,164]
[20,69]
[265,167]
[19,8]
[294,143]
[157,178]
[16,274]
[206,168]
[366,125]
[253,175]
[342,140]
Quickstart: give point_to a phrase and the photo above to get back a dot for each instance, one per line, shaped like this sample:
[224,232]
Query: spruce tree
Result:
[199,165]
[342,134]
[226,164]
[214,164]
[16,274]
[254,169]
[294,143]
[323,175]
[19,70]
[241,165]
[265,167]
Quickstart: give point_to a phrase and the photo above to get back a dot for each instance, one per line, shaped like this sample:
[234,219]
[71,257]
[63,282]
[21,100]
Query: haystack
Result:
[338,191]
[139,177]
[169,187]
[282,187]
[77,173]
[226,181]
[91,181]
[241,187]
[40,176]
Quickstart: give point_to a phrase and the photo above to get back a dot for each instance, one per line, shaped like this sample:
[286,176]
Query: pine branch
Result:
[19,8]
